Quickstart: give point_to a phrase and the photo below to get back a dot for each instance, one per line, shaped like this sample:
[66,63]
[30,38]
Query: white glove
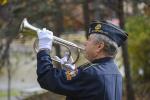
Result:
[66,64]
[69,65]
[45,39]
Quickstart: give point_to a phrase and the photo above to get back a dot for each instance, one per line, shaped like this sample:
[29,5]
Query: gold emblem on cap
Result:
[98,28]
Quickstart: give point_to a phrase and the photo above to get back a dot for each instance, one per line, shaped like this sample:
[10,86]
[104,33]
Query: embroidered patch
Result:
[71,74]
[68,75]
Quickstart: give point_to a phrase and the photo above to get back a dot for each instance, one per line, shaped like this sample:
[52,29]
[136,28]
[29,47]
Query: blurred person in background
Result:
[98,80]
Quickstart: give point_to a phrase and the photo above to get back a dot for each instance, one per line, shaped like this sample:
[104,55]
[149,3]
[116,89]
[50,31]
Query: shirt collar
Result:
[105,59]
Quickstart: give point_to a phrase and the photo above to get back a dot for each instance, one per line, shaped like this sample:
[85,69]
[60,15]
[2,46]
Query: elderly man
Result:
[97,80]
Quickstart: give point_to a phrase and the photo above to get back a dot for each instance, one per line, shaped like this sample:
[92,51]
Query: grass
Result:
[13,93]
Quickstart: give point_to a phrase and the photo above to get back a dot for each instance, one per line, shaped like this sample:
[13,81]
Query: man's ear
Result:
[100,47]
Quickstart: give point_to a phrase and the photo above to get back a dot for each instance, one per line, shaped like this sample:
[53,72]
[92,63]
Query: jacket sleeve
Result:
[54,79]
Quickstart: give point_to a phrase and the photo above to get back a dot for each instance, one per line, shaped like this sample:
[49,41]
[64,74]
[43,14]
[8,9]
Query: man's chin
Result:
[87,58]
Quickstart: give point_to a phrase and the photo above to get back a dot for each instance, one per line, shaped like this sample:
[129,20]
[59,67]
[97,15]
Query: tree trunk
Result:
[8,68]
[6,62]
[98,13]
[58,25]
[86,16]
[129,88]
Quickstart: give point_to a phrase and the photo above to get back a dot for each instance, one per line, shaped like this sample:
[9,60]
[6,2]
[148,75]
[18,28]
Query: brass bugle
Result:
[26,27]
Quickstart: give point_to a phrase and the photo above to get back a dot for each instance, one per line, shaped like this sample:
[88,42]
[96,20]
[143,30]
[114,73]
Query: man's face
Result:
[92,49]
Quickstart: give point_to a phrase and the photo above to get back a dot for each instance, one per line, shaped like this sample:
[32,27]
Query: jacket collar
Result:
[105,59]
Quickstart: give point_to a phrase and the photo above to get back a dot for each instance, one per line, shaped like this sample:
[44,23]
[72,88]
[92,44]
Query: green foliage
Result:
[13,93]
[138,28]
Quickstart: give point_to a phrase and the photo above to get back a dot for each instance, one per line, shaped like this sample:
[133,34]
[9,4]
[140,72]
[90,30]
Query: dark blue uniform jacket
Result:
[99,80]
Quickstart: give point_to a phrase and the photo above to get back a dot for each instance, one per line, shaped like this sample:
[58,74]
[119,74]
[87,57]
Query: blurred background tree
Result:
[138,28]
[41,13]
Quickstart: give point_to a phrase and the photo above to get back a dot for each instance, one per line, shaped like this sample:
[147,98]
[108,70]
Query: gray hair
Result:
[110,47]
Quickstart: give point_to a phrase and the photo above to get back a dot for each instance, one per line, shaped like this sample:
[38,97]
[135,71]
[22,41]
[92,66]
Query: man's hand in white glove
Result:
[66,64]
[45,39]
[71,70]
[69,65]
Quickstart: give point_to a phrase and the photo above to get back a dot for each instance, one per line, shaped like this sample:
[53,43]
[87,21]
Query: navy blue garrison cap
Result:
[108,29]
